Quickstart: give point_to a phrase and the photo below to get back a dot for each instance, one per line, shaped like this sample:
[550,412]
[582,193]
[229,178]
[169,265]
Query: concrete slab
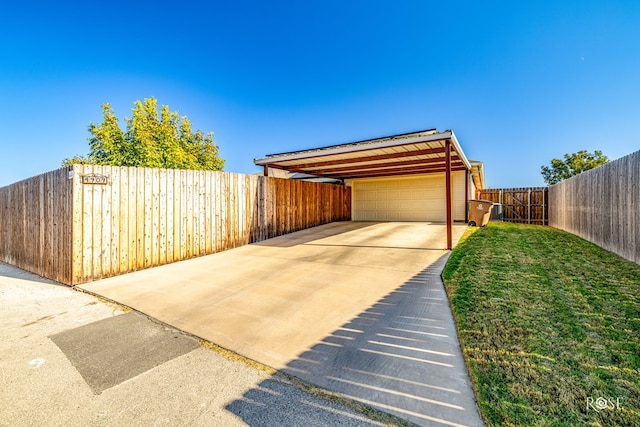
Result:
[277,300]
[270,301]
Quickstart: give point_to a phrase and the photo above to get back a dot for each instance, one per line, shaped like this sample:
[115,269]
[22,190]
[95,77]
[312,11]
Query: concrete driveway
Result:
[355,307]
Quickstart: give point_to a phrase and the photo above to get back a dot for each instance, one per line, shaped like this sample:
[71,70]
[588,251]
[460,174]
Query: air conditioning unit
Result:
[496,212]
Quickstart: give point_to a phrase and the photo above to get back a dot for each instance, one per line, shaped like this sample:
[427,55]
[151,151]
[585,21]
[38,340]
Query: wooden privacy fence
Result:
[602,205]
[36,222]
[88,222]
[523,205]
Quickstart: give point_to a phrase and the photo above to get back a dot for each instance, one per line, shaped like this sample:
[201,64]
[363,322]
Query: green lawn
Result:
[549,326]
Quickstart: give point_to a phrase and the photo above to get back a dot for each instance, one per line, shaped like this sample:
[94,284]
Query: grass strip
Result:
[549,323]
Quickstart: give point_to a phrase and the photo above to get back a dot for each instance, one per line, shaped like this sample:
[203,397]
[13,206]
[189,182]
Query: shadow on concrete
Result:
[8,270]
[376,247]
[401,356]
[305,236]
[273,403]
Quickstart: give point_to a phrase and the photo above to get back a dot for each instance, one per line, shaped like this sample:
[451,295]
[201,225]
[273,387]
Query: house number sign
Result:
[95,179]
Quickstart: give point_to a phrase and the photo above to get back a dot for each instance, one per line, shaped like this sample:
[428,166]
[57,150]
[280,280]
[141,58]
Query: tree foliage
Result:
[155,138]
[572,164]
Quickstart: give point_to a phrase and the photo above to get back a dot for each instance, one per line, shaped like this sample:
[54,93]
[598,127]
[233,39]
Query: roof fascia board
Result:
[382,138]
[458,149]
[442,136]
[477,174]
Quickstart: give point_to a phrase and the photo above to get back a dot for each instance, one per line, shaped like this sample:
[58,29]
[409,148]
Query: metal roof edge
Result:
[384,142]
[479,173]
[458,149]
[364,141]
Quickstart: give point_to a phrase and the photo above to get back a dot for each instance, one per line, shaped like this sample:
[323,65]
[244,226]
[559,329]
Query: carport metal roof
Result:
[411,153]
[422,152]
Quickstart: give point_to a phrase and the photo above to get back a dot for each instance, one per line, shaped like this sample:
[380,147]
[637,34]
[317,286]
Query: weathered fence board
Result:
[602,205]
[36,222]
[73,232]
[527,205]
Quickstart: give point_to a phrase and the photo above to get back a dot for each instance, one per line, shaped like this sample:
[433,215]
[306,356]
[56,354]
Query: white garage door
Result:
[400,199]
[420,198]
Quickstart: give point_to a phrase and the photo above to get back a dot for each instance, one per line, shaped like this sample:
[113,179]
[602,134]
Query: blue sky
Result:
[519,82]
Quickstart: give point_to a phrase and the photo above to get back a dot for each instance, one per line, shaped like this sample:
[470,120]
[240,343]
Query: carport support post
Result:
[447,179]
[466,195]
[266,169]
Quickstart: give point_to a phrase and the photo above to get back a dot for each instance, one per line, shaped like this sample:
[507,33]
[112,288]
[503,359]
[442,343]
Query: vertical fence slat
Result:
[154,208]
[175,207]
[123,262]
[208,234]
[170,210]
[216,178]
[87,225]
[76,228]
[114,183]
[163,229]
[182,254]
[102,252]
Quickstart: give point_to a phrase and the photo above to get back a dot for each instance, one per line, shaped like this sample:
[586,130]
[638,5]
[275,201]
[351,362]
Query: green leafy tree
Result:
[572,164]
[156,138]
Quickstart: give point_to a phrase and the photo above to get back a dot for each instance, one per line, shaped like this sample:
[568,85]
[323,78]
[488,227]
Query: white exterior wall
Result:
[472,189]
[458,195]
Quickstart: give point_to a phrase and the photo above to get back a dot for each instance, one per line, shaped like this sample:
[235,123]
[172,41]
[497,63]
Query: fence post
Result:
[529,206]
[545,195]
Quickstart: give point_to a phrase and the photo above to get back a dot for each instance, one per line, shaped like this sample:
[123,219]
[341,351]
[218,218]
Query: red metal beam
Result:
[366,159]
[438,160]
[466,196]
[447,179]
[392,172]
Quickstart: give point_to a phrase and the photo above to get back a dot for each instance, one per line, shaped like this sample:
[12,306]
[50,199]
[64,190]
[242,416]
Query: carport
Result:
[418,176]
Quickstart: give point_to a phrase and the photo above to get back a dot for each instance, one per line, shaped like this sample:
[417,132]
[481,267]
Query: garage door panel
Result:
[364,186]
[405,199]
[368,216]
[418,205]
[406,194]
